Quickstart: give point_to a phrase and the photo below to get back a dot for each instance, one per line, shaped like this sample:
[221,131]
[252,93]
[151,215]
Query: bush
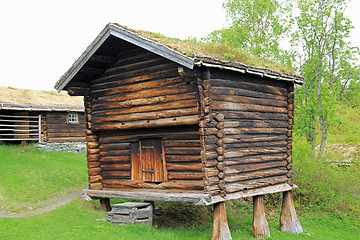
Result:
[325,186]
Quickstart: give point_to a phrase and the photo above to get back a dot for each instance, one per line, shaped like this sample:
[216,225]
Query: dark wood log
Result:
[253,138]
[115,167]
[127,67]
[182,143]
[157,81]
[115,174]
[130,70]
[96,178]
[256,159]
[236,131]
[253,86]
[94,171]
[256,123]
[93,151]
[246,96]
[182,158]
[118,159]
[105,204]
[103,59]
[114,146]
[93,164]
[93,157]
[234,106]
[185,175]
[95,186]
[252,184]
[185,167]
[256,144]
[144,101]
[185,184]
[260,225]
[288,218]
[153,114]
[93,145]
[182,150]
[115,153]
[173,121]
[257,174]
[255,115]
[177,104]
[78,91]
[239,169]
[220,228]
[253,151]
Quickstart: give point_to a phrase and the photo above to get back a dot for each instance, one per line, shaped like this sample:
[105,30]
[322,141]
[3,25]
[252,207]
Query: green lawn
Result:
[29,176]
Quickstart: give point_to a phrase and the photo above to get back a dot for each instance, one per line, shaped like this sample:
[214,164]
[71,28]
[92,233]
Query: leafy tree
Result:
[257,26]
[327,61]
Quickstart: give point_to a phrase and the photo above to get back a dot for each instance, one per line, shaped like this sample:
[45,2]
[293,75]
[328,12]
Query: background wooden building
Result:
[23,118]
[165,126]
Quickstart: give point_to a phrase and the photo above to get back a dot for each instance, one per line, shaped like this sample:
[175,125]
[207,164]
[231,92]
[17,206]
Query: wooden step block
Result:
[130,212]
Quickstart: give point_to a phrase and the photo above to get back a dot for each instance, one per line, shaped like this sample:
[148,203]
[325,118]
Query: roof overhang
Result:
[196,60]
[40,108]
[128,36]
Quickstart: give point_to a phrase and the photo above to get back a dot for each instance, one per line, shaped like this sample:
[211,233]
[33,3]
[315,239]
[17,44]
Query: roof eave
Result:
[126,35]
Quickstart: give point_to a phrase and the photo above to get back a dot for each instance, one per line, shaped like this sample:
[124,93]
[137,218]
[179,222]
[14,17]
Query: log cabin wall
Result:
[246,127]
[113,166]
[58,129]
[143,89]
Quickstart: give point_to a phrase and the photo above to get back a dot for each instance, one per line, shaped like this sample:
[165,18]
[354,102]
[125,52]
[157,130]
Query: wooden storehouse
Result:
[23,118]
[166,126]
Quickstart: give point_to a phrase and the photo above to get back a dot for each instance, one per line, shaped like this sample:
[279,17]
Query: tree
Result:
[257,26]
[327,61]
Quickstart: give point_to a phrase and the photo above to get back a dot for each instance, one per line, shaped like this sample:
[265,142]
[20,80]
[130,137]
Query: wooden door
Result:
[147,161]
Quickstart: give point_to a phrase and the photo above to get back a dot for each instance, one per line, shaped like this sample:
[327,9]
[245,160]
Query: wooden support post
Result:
[260,225]
[220,229]
[288,219]
[105,204]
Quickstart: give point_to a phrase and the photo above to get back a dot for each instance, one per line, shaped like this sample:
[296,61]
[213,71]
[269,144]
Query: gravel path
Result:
[45,206]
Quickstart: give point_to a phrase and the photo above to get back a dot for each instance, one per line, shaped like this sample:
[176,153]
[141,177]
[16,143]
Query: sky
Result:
[40,40]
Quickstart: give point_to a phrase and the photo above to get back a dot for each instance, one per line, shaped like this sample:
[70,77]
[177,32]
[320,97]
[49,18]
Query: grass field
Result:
[29,177]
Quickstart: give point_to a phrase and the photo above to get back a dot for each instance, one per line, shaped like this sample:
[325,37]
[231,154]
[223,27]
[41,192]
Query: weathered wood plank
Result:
[114,146]
[248,96]
[184,167]
[115,167]
[235,106]
[229,178]
[256,158]
[185,175]
[115,174]
[252,184]
[173,121]
[254,86]
[147,93]
[255,115]
[144,101]
[236,131]
[157,80]
[150,195]
[239,169]
[178,104]
[154,113]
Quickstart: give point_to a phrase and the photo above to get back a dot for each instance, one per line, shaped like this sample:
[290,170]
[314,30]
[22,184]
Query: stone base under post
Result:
[288,219]
[260,225]
[220,229]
